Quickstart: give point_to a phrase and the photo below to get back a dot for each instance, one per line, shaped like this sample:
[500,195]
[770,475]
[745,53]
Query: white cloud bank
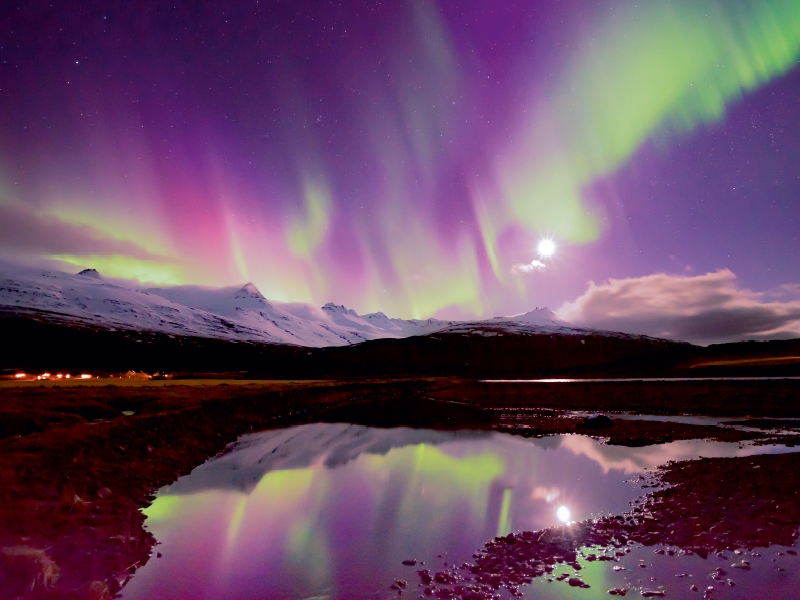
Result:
[534,265]
[704,309]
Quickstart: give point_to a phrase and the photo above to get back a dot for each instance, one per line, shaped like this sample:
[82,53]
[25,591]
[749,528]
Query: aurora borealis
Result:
[403,156]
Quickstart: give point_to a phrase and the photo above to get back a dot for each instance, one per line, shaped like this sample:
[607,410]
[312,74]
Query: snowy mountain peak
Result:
[339,309]
[538,316]
[234,313]
[249,298]
[249,291]
[378,318]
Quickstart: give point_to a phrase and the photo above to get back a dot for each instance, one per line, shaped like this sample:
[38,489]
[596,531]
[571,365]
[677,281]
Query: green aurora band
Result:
[639,73]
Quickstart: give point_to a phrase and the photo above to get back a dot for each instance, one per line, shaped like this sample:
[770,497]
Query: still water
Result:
[332,510]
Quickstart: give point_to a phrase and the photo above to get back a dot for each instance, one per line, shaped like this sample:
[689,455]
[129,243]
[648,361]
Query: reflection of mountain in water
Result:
[549,442]
[335,444]
[253,455]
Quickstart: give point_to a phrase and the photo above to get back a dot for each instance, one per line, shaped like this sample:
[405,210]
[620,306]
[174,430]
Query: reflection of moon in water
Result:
[563,514]
[546,248]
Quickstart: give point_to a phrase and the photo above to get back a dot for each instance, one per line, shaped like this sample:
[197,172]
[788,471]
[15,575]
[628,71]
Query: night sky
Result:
[409,156]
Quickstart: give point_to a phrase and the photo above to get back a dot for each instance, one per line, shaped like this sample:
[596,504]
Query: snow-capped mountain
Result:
[378,320]
[239,314]
[538,316]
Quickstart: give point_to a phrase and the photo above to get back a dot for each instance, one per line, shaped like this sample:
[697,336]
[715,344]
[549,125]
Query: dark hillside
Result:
[502,355]
[482,352]
[36,345]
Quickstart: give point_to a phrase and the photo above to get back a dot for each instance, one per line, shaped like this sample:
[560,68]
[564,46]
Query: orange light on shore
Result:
[85,376]
[67,375]
[59,375]
[19,375]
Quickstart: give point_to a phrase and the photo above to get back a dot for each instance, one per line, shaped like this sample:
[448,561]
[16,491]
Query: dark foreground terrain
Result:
[38,343]
[79,461]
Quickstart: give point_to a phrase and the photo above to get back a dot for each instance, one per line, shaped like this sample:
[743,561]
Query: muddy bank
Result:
[724,398]
[621,432]
[524,409]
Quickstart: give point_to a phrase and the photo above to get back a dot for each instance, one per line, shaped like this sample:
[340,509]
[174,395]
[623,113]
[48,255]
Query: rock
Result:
[410,562]
[90,273]
[596,422]
[575,582]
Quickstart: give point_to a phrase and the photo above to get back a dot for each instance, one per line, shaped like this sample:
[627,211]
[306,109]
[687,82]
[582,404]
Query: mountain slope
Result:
[243,314]
[77,320]
[237,314]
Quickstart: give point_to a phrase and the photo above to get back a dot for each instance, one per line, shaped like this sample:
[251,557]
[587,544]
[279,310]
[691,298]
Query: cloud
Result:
[546,494]
[638,460]
[534,265]
[788,291]
[703,309]
[23,232]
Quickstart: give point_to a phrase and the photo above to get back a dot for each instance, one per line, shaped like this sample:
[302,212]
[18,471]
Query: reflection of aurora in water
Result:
[341,528]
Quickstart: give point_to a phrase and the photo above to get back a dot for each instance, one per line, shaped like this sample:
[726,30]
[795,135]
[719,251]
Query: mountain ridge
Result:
[237,313]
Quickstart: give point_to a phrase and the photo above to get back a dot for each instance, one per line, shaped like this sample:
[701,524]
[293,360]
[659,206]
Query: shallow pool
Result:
[332,510]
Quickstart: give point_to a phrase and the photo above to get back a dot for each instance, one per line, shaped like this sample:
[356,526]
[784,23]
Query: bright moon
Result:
[546,248]
[563,514]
